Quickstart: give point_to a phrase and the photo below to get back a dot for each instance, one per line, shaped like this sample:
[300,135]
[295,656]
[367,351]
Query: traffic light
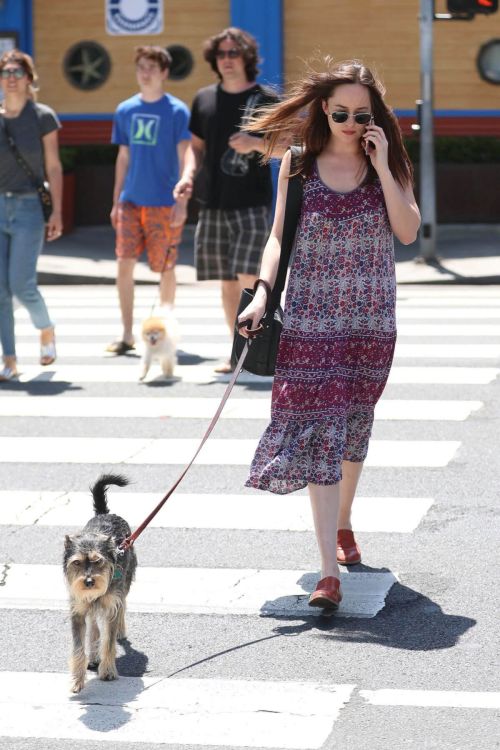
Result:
[472,6]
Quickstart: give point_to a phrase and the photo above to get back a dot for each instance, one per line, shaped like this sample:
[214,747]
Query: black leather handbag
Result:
[263,349]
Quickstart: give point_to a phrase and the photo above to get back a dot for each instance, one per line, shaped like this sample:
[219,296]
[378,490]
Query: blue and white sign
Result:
[134,17]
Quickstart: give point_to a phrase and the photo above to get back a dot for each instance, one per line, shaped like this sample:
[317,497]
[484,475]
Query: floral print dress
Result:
[337,342]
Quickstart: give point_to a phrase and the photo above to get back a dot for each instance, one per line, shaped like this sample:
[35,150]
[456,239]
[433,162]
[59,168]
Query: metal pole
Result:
[427,169]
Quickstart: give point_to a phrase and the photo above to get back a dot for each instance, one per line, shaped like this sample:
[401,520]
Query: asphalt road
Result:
[204,667]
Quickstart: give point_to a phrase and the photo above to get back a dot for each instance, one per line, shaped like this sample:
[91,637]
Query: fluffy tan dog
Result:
[160,336]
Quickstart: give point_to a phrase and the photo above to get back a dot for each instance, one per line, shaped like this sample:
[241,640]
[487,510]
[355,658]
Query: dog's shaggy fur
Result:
[99,576]
[160,337]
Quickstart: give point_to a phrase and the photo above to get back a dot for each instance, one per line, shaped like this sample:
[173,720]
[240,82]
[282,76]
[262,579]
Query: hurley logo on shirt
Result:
[144,129]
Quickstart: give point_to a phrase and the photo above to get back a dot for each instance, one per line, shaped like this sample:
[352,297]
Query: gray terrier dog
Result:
[99,576]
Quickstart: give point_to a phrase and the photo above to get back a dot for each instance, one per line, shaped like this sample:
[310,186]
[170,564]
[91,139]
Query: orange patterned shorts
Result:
[147,227]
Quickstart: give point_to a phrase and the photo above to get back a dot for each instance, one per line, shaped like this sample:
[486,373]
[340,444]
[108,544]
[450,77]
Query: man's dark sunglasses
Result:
[361,118]
[12,72]
[231,53]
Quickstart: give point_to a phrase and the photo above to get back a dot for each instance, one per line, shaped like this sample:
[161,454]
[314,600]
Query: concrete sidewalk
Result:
[468,254]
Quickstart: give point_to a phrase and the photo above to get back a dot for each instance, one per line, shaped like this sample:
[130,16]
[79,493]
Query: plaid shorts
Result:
[229,242]
[147,227]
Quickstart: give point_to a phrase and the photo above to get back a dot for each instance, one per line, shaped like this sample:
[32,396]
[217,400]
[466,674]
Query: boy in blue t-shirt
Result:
[151,130]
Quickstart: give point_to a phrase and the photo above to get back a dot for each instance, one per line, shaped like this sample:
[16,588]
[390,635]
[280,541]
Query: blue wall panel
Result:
[263,19]
[17,15]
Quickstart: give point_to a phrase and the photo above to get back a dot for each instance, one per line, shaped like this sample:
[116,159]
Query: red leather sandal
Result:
[327,594]
[348,552]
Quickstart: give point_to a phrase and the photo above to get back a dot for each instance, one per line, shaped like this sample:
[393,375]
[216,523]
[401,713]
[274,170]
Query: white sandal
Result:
[48,352]
[8,374]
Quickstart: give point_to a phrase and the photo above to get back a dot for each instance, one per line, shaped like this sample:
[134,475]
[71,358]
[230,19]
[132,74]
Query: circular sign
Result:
[488,61]
[87,65]
[182,62]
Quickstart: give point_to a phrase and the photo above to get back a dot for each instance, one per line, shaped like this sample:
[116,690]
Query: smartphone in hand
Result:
[367,145]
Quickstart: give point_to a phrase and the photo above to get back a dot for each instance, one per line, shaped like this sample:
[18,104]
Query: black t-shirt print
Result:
[229,180]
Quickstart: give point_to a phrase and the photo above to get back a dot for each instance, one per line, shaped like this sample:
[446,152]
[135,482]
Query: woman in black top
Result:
[33,128]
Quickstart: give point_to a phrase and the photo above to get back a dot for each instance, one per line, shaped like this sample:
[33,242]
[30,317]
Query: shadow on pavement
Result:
[409,621]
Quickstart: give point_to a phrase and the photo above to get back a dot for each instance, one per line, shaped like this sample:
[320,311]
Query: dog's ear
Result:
[68,541]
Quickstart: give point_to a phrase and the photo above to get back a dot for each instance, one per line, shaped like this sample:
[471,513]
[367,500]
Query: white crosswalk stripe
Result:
[128,372]
[219,591]
[219,350]
[209,511]
[217,451]
[111,326]
[217,712]
[202,408]
[221,713]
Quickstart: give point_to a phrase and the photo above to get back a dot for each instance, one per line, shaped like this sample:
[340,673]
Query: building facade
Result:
[83,50]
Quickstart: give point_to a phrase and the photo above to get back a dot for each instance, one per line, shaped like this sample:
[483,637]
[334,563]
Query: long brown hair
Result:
[302,115]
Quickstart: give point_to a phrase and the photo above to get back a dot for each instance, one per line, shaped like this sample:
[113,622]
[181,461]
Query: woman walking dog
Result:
[339,329]
[32,128]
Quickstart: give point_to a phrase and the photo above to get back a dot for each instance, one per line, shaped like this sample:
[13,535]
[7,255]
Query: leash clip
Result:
[124,546]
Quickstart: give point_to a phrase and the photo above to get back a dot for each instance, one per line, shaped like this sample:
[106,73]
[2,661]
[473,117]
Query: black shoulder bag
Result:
[263,350]
[41,187]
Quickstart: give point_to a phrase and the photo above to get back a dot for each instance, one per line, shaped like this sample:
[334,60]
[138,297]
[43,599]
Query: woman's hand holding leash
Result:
[249,321]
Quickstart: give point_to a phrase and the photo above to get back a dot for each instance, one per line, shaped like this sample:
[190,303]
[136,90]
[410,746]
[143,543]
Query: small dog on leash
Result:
[99,576]
[160,337]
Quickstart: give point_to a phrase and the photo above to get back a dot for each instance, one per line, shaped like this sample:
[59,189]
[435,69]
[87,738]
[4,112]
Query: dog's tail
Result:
[100,487]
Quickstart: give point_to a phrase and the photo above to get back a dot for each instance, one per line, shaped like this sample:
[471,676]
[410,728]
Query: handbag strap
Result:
[292,212]
[37,184]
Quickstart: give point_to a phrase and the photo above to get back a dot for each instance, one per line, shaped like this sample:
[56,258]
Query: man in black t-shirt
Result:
[235,188]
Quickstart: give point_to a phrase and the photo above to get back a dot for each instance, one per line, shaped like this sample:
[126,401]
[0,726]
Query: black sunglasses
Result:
[361,118]
[231,53]
[12,72]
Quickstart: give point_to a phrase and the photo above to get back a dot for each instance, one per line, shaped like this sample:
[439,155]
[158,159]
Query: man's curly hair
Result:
[243,40]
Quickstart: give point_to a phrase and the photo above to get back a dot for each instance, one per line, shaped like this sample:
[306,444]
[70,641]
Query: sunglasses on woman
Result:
[12,72]
[361,118]
[231,53]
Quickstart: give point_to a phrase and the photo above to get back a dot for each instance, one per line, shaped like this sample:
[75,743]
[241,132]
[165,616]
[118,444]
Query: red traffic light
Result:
[472,6]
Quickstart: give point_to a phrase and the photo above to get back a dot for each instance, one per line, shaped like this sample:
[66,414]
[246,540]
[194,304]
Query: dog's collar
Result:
[117,575]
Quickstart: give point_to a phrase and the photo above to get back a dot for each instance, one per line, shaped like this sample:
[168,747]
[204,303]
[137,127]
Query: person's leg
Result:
[28,232]
[249,234]
[167,287]
[325,501]
[162,241]
[358,430]
[129,246]
[211,255]
[231,292]
[7,338]
[351,472]
[325,508]
[125,287]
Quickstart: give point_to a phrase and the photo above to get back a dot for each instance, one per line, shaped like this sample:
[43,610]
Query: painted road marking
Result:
[205,408]
[77,330]
[448,313]
[218,591]
[263,511]
[432,698]
[108,327]
[219,350]
[217,451]
[221,713]
[443,375]
[127,371]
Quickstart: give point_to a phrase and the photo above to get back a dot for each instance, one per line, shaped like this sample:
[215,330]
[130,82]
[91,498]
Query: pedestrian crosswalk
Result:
[89,412]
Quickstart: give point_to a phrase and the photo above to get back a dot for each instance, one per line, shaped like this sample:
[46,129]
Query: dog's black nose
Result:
[89,582]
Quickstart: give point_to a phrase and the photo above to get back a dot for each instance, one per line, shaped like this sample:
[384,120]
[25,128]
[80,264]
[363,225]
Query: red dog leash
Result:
[128,541]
